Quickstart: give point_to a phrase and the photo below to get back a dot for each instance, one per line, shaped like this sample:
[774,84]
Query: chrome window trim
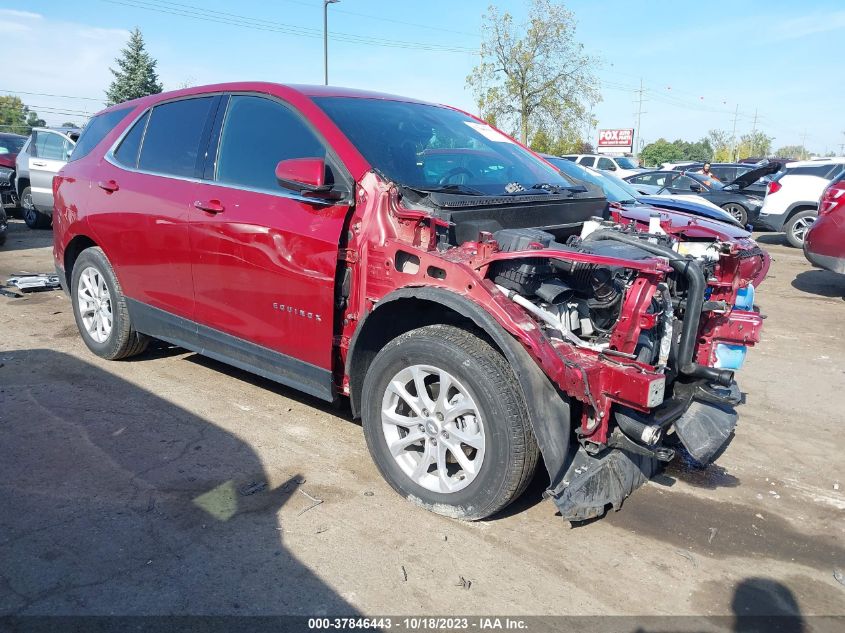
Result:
[110,158]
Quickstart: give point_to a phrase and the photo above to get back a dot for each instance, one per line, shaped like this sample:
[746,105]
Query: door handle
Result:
[209,206]
[38,164]
[109,186]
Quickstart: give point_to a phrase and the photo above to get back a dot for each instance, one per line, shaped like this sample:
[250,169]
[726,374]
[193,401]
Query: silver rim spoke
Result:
[94,302]
[433,428]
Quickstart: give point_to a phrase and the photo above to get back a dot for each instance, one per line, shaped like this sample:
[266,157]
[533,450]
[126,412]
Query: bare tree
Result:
[534,75]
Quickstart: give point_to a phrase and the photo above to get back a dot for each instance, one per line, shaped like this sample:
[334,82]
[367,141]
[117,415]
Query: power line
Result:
[44,94]
[258,24]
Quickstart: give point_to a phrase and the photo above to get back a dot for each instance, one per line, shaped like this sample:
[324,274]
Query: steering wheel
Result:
[455,171]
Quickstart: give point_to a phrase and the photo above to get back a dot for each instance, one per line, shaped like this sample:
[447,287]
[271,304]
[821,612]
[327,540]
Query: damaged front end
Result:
[654,327]
[636,324]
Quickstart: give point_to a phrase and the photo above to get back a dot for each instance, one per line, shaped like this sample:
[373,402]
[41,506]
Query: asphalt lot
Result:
[175,484]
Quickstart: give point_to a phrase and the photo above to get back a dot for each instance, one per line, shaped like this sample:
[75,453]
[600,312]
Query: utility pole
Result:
[326,4]
[803,144]
[733,135]
[754,135]
[637,133]
[842,147]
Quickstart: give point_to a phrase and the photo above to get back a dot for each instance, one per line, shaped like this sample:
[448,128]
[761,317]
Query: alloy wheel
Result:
[29,212]
[94,302]
[433,428]
[801,226]
[736,211]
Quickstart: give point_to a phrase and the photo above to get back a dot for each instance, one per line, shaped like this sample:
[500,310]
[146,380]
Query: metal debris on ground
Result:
[404,573]
[8,293]
[312,506]
[713,532]
[29,281]
[688,556]
[368,493]
[463,582]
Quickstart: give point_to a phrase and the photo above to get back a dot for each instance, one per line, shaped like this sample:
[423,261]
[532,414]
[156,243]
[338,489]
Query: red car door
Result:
[143,200]
[265,258]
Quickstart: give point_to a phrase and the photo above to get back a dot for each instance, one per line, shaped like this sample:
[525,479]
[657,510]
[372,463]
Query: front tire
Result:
[100,310]
[797,227]
[466,452]
[739,212]
[33,217]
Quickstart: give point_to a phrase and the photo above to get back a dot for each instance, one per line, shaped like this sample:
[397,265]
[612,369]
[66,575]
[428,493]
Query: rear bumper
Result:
[773,222]
[828,262]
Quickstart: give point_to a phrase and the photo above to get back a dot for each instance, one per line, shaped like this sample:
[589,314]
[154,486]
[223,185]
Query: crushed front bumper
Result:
[703,418]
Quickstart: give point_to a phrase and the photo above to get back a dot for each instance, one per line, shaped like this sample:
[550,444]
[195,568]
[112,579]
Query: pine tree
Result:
[136,75]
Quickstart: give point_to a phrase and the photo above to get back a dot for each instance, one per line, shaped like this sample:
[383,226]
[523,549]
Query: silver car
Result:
[44,154]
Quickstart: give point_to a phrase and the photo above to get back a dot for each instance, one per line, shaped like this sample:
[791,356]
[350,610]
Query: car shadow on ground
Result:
[772,239]
[823,283]
[20,237]
[116,501]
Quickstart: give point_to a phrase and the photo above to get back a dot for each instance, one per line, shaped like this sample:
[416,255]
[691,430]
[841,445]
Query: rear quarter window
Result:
[822,171]
[96,130]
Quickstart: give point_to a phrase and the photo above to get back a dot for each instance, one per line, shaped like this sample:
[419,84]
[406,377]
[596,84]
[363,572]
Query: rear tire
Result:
[798,225]
[465,465]
[33,217]
[739,212]
[99,307]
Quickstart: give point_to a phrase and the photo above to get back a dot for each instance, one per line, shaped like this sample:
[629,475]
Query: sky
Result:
[700,64]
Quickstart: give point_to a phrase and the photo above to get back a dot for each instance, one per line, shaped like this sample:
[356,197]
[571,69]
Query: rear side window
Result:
[822,171]
[256,135]
[96,131]
[127,153]
[171,144]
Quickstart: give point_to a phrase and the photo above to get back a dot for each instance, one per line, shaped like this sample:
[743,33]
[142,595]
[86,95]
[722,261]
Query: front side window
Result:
[588,161]
[257,134]
[96,130]
[684,183]
[429,147]
[51,146]
[606,164]
[172,142]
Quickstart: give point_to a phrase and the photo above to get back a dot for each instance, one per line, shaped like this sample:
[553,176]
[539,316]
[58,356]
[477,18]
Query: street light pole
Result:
[326,4]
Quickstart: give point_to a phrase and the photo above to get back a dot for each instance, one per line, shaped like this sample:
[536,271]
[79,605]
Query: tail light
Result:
[773,187]
[832,197]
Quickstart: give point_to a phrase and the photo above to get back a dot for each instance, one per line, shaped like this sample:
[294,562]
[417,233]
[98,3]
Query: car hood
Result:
[694,205]
[686,224]
[750,177]
[8,160]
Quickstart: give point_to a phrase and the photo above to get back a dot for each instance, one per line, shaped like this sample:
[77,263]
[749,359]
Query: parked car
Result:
[733,197]
[792,199]
[620,165]
[824,242]
[41,157]
[311,235]
[10,146]
[621,192]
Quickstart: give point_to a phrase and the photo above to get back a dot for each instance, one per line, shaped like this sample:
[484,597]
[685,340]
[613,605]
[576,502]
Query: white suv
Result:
[622,166]
[792,197]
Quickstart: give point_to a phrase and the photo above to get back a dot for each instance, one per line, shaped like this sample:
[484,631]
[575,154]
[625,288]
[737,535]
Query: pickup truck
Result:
[478,310]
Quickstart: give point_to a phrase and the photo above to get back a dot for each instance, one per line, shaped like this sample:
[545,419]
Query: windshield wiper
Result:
[450,188]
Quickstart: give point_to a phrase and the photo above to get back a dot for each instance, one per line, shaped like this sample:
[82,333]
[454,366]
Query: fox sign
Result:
[622,139]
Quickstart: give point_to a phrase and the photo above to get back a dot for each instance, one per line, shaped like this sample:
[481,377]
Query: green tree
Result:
[136,74]
[722,146]
[17,118]
[791,151]
[534,75]
[659,152]
[754,144]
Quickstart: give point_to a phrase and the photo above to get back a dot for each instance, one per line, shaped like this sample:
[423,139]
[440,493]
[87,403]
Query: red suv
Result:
[477,308]
[824,245]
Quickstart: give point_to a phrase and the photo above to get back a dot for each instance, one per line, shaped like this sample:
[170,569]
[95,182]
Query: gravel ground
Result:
[175,484]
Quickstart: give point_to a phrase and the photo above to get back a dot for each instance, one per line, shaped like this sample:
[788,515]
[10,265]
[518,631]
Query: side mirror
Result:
[304,176]
[695,187]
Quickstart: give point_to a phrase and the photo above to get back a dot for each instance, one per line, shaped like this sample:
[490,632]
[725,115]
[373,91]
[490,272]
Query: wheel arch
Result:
[409,308]
[22,183]
[73,250]
[798,207]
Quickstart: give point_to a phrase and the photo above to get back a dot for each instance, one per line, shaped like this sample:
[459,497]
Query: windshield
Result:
[615,190]
[11,144]
[432,147]
[627,163]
